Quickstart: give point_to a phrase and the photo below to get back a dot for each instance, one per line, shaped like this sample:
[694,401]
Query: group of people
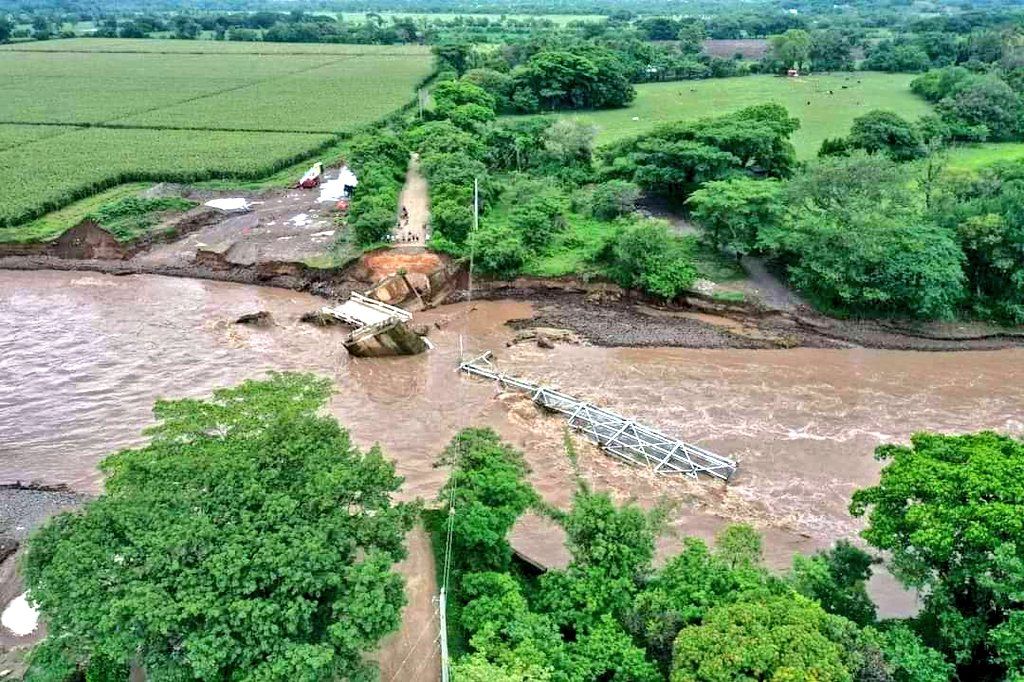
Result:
[403,233]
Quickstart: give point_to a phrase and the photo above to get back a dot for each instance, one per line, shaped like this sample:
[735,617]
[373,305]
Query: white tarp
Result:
[20,617]
[229,204]
[334,189]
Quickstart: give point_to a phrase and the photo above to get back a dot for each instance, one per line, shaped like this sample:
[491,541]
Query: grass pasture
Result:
[973,157]
[84,115]
[821,114]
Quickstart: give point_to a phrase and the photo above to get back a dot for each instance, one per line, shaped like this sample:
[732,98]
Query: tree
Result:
[559,79]
[185,27]
[614,198]
[569,143]
[488,489]
[647,257]
[876,263]
[537,213]
[675,158]
[5,30]
[792,48]
[453,56]
[986,103]
[785,638]
[444,137]
[859,243]
[687,587]
[249,540]
[499,250]
[830,51]
[738,545]
[732,212]
[986,213]
[897,55]
[691,37]
[948,510]
[497,84]
[886,132]
[837,579]
[449,96]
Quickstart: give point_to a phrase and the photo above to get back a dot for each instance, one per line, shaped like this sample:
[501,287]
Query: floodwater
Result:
[83,356]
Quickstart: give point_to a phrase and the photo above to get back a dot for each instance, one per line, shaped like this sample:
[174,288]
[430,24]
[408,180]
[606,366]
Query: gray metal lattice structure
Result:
[621,437]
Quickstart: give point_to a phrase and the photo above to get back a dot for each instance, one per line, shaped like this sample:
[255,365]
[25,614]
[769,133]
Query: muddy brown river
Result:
[83,356]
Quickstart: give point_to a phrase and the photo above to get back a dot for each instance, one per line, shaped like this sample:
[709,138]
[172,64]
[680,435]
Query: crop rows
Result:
[338,96]
[96,88]
[52,172]
[15,136]
[212,47]
[122,110]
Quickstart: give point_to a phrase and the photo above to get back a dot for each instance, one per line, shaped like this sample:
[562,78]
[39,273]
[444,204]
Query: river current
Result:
[83,356]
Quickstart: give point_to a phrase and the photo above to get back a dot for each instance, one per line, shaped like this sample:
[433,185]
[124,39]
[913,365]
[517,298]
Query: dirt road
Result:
[413,208]
[412,653]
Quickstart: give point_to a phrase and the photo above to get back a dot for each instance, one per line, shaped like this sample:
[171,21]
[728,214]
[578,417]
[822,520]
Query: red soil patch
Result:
[383,263]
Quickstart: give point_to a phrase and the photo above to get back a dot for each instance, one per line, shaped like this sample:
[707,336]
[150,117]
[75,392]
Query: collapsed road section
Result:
[379,329]
[620,437]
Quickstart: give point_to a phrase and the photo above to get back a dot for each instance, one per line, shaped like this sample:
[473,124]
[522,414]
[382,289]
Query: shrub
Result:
[648,257]
[499,250]
[614,198]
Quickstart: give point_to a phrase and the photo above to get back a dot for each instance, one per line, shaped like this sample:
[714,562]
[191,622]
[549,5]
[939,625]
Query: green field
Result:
[218,47]
[978,156]
[821,114]
[124,111]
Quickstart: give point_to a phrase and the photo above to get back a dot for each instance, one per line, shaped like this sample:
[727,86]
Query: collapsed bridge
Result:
[620,437]
[379,329]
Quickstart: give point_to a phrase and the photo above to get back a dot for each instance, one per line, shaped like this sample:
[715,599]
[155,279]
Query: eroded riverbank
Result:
[84,355]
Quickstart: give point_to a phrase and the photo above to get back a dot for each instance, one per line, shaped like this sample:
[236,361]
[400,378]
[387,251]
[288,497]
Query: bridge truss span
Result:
[623,438]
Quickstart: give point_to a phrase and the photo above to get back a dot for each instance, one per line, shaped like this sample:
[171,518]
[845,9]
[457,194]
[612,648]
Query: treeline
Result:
[877,226]
[716,613]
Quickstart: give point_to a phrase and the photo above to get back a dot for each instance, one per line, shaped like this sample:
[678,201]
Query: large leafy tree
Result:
[647,256]
[888,133]
[785,638]
[675,158]
[734,211]
[837,579]
[948,510]
[250,540]
[488,490]
[858,242]
[986,213]
[793,48]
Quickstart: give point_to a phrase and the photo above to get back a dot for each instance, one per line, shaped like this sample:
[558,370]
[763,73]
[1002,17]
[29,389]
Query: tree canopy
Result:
[948,510]
[249,540]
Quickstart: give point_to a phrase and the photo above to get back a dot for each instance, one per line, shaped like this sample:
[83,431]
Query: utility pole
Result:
[476,224]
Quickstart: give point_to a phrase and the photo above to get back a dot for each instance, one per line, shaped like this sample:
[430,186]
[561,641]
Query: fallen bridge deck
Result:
[622,438]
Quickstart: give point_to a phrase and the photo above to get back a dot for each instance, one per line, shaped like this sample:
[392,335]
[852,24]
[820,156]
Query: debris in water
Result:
[261,318]
[20,617]
[300,220]
[229,204]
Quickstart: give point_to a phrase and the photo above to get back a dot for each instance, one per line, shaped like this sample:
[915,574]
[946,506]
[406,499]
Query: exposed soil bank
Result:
[328,282]
[23,508]
[605,315]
